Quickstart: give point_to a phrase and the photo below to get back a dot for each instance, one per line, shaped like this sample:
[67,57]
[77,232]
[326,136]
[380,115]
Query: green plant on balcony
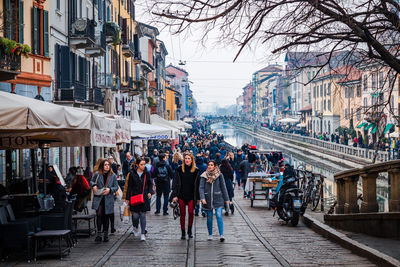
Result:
[11,47]
[113,30]
[151,101]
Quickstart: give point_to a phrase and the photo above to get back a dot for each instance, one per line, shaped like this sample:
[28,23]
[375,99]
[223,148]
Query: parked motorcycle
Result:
[288,203]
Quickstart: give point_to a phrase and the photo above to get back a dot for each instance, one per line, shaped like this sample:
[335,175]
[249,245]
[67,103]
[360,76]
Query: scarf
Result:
[212,175]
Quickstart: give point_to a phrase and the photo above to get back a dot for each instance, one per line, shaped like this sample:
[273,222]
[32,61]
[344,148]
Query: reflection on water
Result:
[238,138]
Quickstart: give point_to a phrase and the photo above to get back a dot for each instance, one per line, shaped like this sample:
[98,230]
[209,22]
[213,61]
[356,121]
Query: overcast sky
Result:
[214,76]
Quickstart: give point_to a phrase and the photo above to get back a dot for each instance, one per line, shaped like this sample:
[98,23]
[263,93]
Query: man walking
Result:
[162,176]
[126,166]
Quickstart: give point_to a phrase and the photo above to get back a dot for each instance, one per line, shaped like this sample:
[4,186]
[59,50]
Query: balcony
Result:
[73,91]
[10,65]
[112,32]
[96,96]
[99,48]
[128,50]
[105,81]
[83,33]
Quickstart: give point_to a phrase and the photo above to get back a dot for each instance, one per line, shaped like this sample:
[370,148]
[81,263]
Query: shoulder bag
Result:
[138,199]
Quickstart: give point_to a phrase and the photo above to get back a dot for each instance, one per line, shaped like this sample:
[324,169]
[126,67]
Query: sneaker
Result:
[203,214]
[210,237]
[165,213]
[105,239]
[232,208]
[98,239]
[157,212]
[226,213]
[142,238]
[222,238]
[135,231]
[113,230]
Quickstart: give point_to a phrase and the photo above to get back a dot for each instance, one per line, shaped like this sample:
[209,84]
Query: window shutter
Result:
[7,19]
[21,22]
[35,30]
[45,33]
[73,67]
[64,67]
[136,44]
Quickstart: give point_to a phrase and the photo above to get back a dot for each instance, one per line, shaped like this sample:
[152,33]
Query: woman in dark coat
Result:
[185,191]
[139,182]
[227,171]
[104,184]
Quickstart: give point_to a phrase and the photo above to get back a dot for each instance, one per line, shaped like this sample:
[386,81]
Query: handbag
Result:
[138,199]
[118,194]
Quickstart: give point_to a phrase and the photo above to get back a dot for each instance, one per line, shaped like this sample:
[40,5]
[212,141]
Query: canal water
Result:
[237,138]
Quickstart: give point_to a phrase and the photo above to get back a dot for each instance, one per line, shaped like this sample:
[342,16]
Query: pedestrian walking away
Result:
[162,176]
[213,195]
[104,185]
[227,171]
[139,183]
[186,192]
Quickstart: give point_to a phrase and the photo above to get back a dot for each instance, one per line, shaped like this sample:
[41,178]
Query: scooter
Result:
[288,203]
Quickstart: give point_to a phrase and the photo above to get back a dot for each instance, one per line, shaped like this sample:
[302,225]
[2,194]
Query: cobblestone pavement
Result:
[300,246]
[283,244]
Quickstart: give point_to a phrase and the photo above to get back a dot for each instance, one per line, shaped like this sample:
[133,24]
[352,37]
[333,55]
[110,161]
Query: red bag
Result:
[138,199]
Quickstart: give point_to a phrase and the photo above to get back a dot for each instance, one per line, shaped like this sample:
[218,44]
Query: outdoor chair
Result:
[14,235]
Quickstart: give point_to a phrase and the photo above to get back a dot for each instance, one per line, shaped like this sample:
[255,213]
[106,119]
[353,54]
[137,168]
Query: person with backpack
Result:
[162,176]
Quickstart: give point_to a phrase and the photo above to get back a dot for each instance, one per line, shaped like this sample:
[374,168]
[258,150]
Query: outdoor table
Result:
[52,234]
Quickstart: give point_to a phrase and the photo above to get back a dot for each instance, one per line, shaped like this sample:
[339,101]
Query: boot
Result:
[232,208]
[190,235]
[183,237]
[105,238]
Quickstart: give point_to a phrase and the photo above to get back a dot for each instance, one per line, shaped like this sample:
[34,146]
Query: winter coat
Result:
[214,193]
[177,186]
[112,183]
[135,187]
[159,165]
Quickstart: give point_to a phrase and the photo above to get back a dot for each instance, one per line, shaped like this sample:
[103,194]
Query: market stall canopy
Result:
[301,125]
[148,131]
[23,118]
[394,135]
[289,120]
[183,124]
[157,120]
[103,130]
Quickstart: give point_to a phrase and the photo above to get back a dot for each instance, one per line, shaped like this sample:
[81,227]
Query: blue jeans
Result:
[238,177]
[218,214]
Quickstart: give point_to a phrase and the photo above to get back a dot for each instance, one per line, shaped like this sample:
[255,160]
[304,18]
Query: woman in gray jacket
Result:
[104,184]
[213,195]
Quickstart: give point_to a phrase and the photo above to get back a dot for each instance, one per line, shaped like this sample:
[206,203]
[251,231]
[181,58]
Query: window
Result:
[320,90]
[365,82]
[309,97]
[58,5]
[13,22]
[358,114]
[329,89]
[309,76]
[346,89]
[324,104]
[381,80]
[40,32]
[358,90]
[317,91]
[346,115]
[313,74]
[374,78]
[324,89]
[329,104]
[314,91]
[365,103]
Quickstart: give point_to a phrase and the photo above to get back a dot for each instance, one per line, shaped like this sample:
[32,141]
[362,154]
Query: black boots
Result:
[183,237]
[190,235]
[232,208]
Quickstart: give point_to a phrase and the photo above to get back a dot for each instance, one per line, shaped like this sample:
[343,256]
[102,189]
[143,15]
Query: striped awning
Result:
[362,124]
[369,126]
[373,131]
[388,127]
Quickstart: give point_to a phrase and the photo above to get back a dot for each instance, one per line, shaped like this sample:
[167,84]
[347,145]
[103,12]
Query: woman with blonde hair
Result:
[96,166]
[185,191]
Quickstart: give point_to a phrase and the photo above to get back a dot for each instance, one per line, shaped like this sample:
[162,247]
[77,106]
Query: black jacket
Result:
[135,187]
[177,186]
[161,164]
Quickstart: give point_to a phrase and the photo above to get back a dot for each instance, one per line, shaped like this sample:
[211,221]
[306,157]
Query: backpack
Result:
[162,173]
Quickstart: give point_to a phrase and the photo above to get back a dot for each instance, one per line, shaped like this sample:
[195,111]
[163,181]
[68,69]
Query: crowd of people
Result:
[198,176]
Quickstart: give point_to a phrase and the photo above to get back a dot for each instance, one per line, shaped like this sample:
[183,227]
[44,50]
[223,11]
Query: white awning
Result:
[289,120]
[23,119]
[157,120]
[148,131]
[182,124]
